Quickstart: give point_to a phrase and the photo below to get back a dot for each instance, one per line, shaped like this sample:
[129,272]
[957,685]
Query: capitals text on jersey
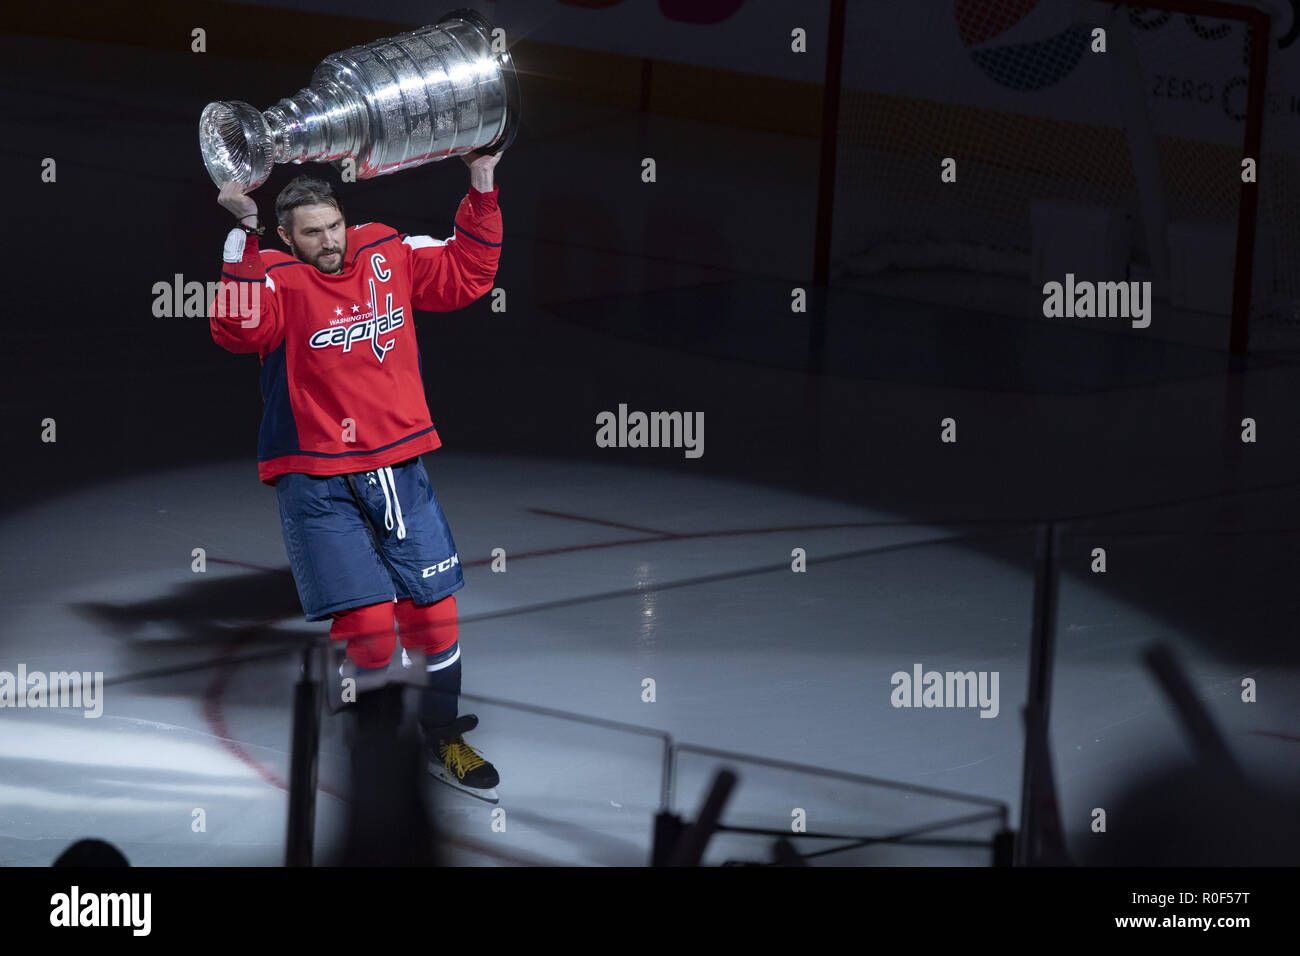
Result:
[366,329]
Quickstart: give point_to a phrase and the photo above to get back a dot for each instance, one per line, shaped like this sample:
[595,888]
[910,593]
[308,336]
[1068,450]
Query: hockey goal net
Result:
[1063,152]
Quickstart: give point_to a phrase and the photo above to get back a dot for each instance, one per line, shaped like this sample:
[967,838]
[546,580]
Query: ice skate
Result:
[457,764]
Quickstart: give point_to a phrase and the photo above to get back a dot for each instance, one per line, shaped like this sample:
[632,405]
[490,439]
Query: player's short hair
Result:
[303,191]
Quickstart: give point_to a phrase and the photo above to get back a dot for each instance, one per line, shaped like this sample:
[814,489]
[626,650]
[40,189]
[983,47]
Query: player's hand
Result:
[481,168]
[481,161]
[232,198]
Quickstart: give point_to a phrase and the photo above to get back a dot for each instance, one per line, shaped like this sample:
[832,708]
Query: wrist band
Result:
[250,230]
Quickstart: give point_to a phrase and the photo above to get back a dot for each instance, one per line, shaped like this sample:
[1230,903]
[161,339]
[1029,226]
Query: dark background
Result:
[596,316]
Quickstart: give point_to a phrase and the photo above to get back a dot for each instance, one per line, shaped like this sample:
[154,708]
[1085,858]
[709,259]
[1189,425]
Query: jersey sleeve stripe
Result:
[470,235]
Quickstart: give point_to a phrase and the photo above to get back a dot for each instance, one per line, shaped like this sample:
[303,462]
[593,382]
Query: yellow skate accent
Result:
[459,757]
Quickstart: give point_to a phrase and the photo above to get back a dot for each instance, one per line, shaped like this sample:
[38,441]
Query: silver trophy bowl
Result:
[421,97]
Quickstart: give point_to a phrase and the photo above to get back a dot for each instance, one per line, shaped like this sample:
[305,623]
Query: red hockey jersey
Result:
[341,377]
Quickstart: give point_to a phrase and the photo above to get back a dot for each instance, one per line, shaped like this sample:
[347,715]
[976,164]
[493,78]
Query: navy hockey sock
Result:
[439,698]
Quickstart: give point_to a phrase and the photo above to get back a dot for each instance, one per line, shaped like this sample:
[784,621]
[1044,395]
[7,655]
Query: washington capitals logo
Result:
[368,328]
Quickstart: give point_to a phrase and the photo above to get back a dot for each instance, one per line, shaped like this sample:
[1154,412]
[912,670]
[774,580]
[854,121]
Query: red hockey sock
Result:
[429,628]
[369,633]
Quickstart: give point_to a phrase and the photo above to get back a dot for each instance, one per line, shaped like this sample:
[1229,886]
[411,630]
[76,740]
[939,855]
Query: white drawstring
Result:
[391,503]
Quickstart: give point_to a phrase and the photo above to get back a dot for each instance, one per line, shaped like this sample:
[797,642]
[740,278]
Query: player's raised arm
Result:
[450,274]
[245,316]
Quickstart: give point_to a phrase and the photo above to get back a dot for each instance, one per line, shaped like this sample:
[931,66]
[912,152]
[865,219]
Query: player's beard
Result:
[317,261]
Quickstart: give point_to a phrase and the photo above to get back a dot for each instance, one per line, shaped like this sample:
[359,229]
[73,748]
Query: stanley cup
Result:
[421,97]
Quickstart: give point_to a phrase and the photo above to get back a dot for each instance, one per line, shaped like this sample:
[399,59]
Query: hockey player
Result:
[346,419]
